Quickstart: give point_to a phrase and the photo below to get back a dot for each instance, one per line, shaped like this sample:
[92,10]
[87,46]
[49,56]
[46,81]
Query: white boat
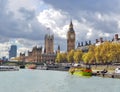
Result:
[117,70]
[42,68]
[9,68]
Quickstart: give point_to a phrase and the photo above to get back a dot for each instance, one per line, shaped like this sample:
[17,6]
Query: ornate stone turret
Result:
[86,43]
[44,50]
[78,45]
[116,37]
[101,40]
[97,41]
[58,50]
[22,56]
[89,42]
[81,43]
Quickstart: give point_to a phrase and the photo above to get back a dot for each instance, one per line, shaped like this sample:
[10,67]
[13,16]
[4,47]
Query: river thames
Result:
[54,81]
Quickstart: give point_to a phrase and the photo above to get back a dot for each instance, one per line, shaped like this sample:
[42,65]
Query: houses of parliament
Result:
[36,55]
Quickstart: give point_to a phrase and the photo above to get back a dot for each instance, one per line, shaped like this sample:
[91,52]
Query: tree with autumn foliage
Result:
[64,57]
[61,57]
[86,58]
[70,56]
[116,52]
[58,58]
[77,56]
[107,52]
[89,57]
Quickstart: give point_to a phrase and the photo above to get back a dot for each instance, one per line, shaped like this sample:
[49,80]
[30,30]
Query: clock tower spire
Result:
[71,25]
[70,38]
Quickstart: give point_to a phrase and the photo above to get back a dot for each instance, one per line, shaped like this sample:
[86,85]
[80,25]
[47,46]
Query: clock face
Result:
[72,36]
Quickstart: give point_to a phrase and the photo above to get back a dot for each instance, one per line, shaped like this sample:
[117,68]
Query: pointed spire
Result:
[58,51]
[71,24]
[58,47]
[44,50]
[78,44]
[89,42]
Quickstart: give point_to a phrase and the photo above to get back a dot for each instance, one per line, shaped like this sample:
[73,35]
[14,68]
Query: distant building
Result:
[84,47]
[49,44]
[13,51]
[22,57]
[34,55]
[70,38]
[49,54]
[116,39]
[58,50]
[98,42]
[48,57]
[4,58]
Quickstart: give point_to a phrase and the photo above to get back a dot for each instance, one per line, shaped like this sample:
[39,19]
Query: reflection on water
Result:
[54,81]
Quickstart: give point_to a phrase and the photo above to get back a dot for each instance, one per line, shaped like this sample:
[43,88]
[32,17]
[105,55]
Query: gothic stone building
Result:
[70,38]
[49,54]
[22,56]
[49,44]
[36,54]
[33,56]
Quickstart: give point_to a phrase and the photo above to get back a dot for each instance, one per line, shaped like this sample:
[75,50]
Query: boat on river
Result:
[42,67]
[9,68]
[80,71]
[30,66]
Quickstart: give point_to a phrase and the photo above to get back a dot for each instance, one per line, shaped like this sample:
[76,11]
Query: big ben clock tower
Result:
[70,38]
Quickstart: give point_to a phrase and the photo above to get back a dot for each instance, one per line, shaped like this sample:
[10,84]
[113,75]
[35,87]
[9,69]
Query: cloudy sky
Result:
[25,22]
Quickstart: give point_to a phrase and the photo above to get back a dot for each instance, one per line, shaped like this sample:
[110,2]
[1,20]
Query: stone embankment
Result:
[107,75]
[99,70]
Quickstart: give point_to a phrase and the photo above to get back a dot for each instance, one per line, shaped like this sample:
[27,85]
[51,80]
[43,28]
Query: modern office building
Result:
[13,51]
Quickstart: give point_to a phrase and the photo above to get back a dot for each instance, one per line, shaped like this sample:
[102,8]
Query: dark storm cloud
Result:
[3,5]
[107,26]
[27,14]
[74,6]
[26,27]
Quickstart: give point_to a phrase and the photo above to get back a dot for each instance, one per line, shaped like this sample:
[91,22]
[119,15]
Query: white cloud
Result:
[90,31]
[55,20]
[4,48]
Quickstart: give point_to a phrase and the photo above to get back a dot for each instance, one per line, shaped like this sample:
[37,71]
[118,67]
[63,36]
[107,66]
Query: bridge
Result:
[19,63]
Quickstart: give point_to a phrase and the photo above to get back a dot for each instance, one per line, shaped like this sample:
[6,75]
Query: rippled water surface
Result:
[54,81]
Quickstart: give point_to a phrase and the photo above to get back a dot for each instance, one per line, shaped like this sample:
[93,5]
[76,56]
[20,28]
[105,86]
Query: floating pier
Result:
[107,75]
[9,68]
